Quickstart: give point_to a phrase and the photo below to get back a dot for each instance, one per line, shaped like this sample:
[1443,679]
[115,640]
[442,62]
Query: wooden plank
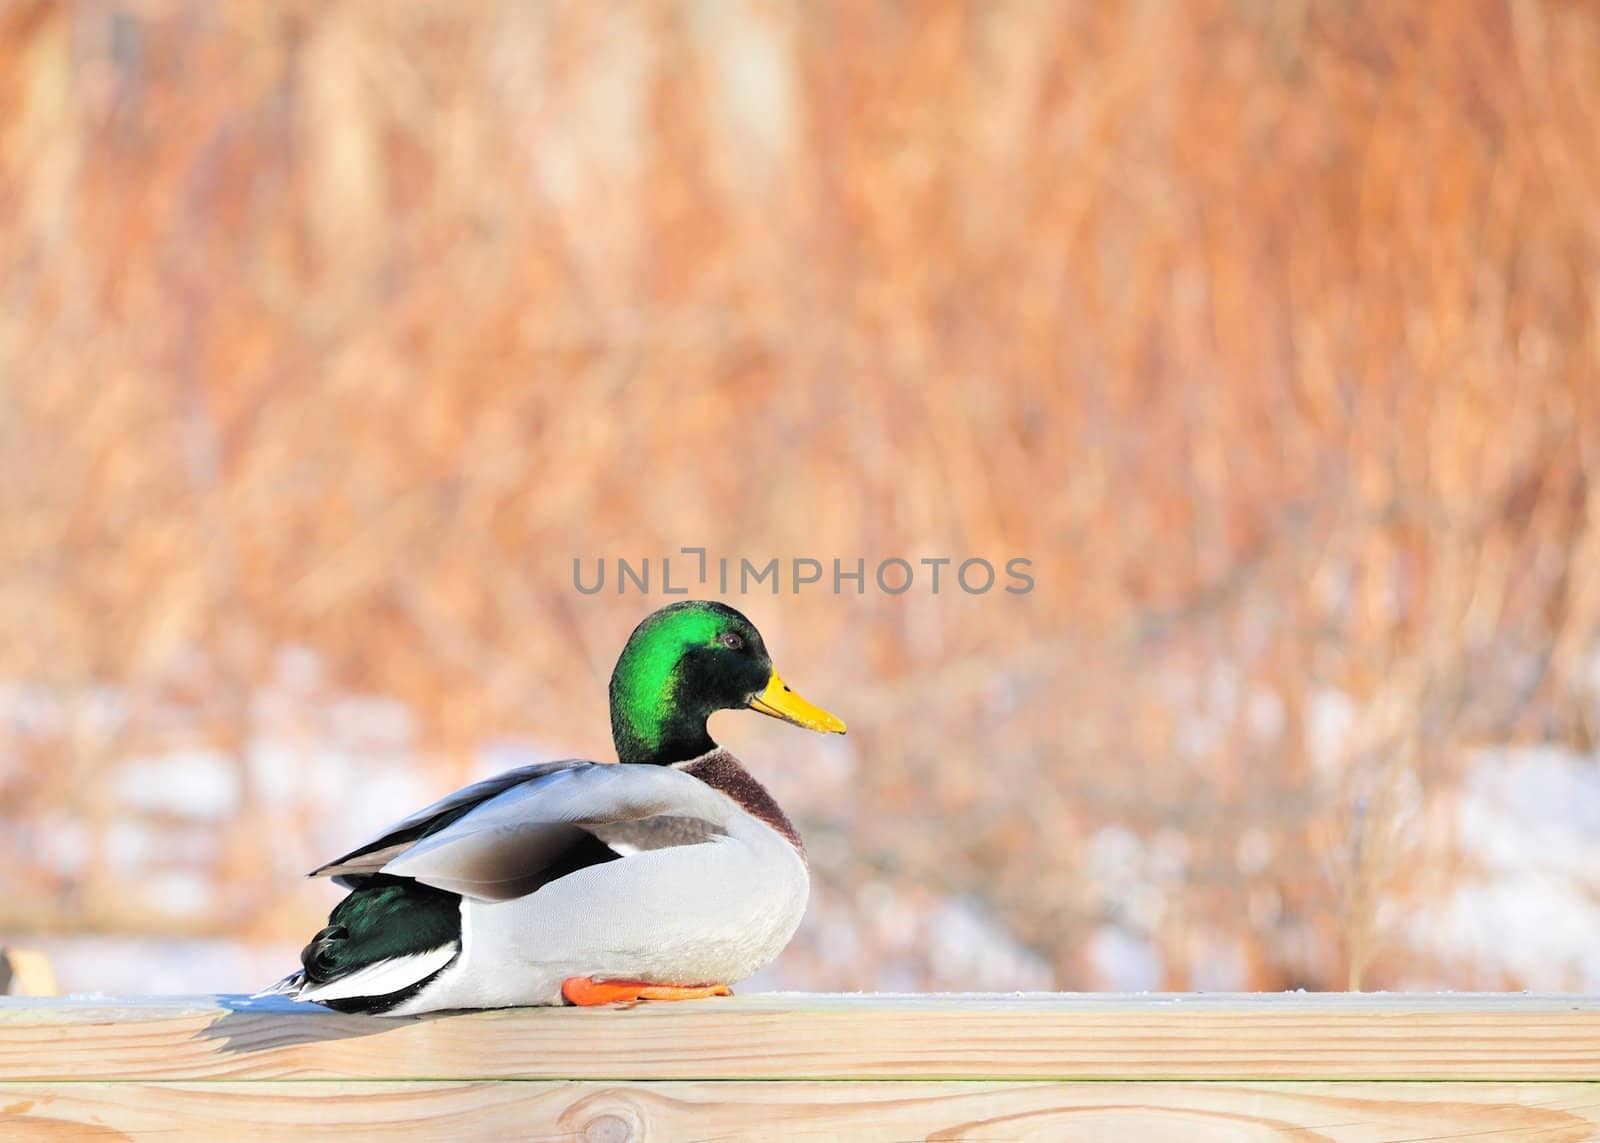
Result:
[1053,1036]
[1191,1112]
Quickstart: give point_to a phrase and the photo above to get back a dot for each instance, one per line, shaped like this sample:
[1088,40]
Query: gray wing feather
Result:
[373,855]
[507,845]
[664,831]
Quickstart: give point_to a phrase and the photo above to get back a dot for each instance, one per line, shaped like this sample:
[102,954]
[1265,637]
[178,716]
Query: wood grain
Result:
[789,1037]
[1188,1112]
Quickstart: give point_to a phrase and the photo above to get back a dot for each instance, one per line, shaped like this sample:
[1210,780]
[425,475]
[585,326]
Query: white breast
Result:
[712,913]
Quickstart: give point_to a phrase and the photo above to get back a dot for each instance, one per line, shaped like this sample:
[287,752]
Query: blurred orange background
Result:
[331,334]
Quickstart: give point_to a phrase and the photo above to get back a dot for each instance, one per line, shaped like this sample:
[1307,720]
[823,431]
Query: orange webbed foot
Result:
[585,992]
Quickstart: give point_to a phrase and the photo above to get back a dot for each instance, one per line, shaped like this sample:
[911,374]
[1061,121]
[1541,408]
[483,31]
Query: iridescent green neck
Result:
[653,718]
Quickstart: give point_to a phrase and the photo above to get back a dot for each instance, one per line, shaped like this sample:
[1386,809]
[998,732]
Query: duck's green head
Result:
[684,663]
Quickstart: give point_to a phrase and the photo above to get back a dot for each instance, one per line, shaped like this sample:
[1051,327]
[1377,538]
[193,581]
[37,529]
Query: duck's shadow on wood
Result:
[258,1024]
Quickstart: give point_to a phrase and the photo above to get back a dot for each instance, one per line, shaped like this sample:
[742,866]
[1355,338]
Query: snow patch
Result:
[202,784]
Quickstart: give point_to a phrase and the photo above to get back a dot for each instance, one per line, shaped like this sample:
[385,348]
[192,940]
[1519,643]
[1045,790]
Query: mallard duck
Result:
[668,875]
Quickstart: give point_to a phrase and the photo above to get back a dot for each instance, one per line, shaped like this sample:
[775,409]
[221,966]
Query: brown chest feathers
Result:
[721,771]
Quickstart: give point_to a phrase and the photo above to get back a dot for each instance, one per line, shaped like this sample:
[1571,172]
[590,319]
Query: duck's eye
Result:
[732,640]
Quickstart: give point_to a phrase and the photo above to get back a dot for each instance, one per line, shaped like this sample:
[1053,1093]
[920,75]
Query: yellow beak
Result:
[781,702]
